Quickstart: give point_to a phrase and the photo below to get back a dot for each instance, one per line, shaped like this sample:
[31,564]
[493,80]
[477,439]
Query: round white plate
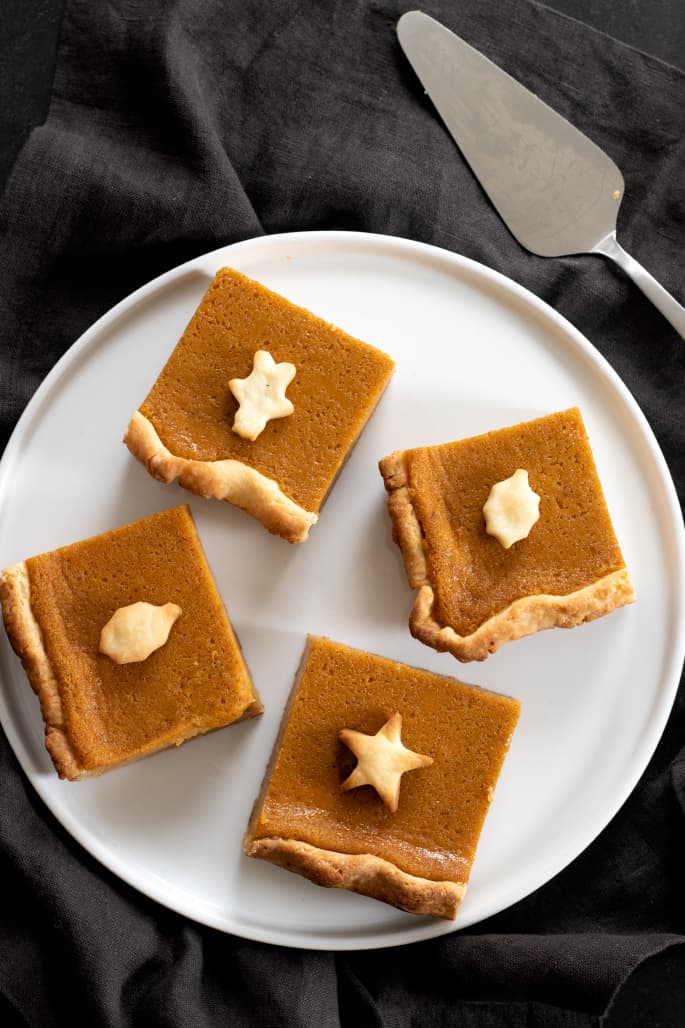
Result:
[474,352]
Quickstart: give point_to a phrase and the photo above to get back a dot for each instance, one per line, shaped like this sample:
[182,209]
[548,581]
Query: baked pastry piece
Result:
[477,590]
[99,710]
[187,427]
[314,818]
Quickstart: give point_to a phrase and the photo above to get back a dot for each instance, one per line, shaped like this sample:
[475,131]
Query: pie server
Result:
[555,190]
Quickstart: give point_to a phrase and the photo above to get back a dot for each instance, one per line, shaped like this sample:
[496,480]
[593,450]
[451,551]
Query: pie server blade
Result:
[556,191]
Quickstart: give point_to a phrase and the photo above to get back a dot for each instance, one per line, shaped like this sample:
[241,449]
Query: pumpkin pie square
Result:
[99,713]
[476,593]
[309,820]
[186,429]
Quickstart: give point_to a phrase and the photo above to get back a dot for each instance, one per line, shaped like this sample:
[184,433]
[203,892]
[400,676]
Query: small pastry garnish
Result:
[261,395]
[134,632]
[382,759]
[511,509]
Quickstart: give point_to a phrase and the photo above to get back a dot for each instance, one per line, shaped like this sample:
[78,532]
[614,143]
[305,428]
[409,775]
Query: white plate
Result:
[474,351]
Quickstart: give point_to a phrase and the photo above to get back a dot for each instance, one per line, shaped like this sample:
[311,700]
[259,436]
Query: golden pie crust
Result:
[229,480]
[183,430]
[418,858]
[412,506]
[99,715]
[363,873]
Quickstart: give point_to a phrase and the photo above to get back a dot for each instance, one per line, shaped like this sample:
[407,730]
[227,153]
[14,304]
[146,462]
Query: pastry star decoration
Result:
[261,395]
[382,759]
[511,509]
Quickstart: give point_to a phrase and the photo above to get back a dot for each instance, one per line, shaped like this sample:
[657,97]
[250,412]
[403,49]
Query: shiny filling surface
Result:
[434,832]
[197,680]
[337,384]
[571,545]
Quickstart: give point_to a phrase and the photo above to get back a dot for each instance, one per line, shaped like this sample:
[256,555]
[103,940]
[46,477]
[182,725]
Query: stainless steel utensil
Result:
[556,191]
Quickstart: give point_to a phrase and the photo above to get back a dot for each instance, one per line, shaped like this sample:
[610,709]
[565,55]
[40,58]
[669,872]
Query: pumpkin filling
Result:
[193,679]
[458,736]
[337,382]
[571,545]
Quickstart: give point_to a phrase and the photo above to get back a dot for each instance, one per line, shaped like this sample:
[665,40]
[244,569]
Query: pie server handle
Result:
[653,290]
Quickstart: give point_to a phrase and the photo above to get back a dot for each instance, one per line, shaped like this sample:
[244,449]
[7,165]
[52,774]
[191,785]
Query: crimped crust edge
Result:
[228,480]
[364,873]
[26,638]
[523,617]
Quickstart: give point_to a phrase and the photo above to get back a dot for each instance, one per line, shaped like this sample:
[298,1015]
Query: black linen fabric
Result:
[176,127]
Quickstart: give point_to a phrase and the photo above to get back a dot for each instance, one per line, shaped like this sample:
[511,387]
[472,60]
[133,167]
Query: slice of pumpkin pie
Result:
[381,778]
[504,534]
[126,641]
[259,404]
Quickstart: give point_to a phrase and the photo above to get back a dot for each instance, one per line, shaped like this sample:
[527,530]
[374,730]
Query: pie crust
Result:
[188,426]
[229,480]
[298,823]
[28,641]
[24,630]
[363,873]
[522,617]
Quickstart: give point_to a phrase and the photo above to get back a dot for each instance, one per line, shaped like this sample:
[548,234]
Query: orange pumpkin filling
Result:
[338,381]
[434,832]
[571,545]
[503,535]
[98,713]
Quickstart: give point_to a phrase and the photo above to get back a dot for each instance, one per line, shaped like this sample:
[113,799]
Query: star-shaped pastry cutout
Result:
[511,509]
[382,759]
[261,395]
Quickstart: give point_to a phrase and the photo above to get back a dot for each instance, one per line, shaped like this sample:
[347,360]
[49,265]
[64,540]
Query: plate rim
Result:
[421,929]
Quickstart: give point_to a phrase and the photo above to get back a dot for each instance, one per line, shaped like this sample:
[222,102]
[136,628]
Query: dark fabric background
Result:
[176,127]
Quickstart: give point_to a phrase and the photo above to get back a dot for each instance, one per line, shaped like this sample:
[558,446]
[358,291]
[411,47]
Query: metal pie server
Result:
[556,191]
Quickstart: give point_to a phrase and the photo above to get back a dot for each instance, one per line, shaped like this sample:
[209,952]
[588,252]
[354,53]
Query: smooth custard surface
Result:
[571,545]
[434,832]
[197,680]
[338,382]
